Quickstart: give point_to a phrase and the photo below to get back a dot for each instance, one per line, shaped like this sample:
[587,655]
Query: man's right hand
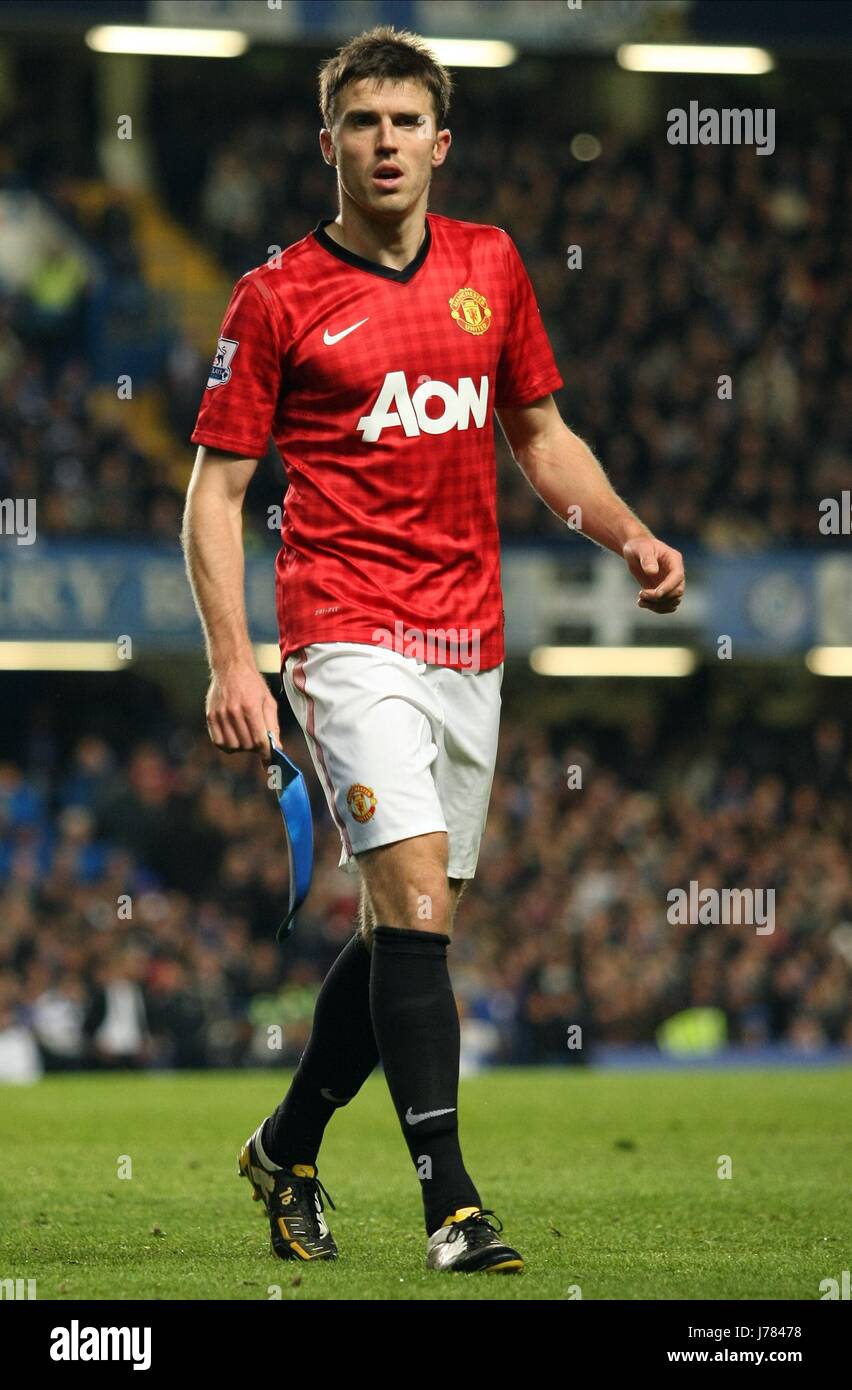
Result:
[240,710]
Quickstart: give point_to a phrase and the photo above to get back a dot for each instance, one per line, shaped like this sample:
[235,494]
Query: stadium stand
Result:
[737,266]
[563,929]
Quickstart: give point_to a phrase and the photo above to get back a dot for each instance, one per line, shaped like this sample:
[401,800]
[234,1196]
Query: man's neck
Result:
[391,244]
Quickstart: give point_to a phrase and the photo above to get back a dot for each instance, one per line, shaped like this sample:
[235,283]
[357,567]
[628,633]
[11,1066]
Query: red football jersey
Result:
[379,387]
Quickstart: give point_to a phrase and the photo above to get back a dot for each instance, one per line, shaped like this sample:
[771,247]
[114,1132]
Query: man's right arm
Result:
[240,707]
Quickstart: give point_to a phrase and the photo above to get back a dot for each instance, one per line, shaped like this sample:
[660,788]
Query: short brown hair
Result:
[384,53]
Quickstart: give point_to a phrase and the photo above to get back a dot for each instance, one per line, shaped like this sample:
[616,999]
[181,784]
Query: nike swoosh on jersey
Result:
[331,338]
[412,1119]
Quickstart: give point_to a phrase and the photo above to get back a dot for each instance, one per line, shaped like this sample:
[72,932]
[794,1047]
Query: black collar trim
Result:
[386,272]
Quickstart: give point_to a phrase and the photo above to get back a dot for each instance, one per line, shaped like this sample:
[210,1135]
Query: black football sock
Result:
[340,1055]
[416,1025]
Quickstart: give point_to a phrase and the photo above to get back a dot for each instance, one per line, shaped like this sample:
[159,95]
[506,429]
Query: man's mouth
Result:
[387,175]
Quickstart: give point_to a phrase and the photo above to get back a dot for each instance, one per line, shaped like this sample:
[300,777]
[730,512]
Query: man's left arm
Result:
[566,475]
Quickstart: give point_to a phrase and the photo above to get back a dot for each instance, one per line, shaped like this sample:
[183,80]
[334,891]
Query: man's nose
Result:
[386,134]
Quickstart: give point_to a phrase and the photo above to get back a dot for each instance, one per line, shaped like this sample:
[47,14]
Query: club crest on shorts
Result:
[470,311]
[220,372]
[361,801]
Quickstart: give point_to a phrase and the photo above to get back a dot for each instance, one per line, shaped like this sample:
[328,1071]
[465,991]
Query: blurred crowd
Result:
[59,442]
[139,898]
[697,299]
[703,331]
[86,473]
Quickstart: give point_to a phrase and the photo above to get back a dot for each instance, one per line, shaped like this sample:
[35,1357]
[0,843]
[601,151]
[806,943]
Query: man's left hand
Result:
[659,569]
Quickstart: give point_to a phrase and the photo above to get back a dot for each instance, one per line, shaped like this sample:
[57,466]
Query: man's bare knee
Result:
[367,917]
[406,882]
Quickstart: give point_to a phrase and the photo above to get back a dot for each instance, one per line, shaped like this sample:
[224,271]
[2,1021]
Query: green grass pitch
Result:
[606,1181]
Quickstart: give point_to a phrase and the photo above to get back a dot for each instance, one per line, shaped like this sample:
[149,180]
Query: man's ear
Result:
[436,148]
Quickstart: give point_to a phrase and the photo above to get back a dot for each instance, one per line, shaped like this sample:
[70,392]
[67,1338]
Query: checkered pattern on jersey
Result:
[386,429]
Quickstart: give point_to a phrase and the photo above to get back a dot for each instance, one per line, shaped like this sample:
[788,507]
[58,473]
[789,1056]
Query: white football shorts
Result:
[401,747]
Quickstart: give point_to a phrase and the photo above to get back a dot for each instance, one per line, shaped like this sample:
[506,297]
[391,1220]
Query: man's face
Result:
[385,143]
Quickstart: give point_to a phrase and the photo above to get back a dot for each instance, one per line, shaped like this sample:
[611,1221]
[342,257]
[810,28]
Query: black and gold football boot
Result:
[293,1198]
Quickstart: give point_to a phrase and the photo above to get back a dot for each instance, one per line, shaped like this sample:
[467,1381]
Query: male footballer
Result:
[376,351]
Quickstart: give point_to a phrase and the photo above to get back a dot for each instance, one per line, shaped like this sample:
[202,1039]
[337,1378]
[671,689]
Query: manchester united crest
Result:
[470,311]
[361,802]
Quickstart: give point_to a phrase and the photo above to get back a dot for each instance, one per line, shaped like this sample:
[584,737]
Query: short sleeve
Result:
[527,368]
[238,406]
